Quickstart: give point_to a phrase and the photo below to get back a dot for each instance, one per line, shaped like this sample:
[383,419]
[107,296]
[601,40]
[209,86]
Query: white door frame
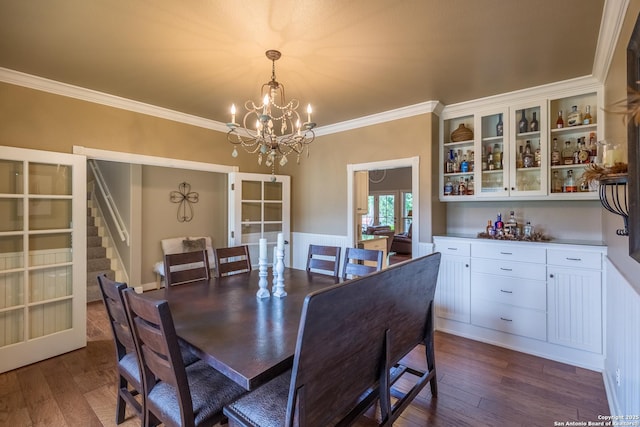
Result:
[413,163]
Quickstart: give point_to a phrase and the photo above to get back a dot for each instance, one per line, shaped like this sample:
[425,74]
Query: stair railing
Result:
[111,206]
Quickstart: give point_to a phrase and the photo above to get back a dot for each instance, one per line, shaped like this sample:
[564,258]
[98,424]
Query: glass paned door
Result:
[42,279]
[259,208]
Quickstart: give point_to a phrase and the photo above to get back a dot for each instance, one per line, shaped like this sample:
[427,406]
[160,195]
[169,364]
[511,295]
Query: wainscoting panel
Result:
[300,246]
[622,369]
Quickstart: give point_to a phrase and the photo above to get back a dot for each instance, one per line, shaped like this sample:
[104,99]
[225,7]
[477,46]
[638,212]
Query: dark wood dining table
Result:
[249,339]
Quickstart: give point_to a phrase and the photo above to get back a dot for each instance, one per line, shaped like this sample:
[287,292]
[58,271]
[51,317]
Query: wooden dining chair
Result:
[175,395]
[372,322]
[324,259]
[360,262]
[185,267]
[129,378]
[232,260]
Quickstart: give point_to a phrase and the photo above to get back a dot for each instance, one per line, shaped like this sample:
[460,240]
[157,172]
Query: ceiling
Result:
[349,59]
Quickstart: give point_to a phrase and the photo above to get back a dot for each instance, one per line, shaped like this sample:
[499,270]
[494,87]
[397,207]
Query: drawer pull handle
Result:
[506,253]
[506,269]
[453,249]
[506,292]
[574,259]
[506,320]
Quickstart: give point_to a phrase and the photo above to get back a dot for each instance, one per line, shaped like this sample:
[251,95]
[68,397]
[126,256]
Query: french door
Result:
[42,255]
[259,207]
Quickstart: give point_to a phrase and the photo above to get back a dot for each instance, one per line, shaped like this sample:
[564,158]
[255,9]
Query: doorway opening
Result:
[392,193]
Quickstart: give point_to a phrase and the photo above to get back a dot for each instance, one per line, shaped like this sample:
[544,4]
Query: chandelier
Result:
[272,129]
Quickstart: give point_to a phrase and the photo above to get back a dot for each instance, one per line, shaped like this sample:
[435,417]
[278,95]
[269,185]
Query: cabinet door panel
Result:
[575,308]
[453,290]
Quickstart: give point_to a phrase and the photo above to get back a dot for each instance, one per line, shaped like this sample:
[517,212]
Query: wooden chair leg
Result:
[121,403]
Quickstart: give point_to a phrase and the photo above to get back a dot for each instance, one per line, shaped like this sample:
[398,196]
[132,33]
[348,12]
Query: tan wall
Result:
[319,185]
[159,216]
[616,130]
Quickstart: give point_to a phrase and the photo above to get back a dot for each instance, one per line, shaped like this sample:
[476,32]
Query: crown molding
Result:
[613,15]
[386,116]
[77,92]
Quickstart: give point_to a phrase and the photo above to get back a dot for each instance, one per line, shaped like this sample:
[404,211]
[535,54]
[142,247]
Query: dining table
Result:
[251,340]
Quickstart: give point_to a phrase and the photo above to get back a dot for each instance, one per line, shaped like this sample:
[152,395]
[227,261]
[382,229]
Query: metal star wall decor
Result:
[186,198]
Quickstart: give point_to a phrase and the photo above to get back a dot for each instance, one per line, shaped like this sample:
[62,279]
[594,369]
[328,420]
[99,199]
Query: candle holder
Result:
[278,273]
[263,284]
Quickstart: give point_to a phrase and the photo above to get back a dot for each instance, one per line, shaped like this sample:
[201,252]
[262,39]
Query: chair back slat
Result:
[232,260]
[371,322]
[157,343]
[324,259]
[356,259]
[186,267]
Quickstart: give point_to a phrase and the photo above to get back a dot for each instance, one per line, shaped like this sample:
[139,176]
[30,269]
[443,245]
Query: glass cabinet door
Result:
[493,155]
[528,159]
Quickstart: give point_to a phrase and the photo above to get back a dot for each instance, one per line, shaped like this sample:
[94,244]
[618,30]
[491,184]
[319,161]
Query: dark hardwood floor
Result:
[479,385]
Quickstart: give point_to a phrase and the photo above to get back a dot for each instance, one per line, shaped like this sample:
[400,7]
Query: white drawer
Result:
[506,290]
[578,259]
[509,252]
[513,269]
[451,247]
[507,318]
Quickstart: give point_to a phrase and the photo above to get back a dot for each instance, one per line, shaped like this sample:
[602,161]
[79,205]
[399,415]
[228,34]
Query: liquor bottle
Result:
[569,183]
[512,224]
[462,189]
[490,163]
[523,124]
[470,187]
[560,122]
[520,159]
[574,118]
[456,163]
[583,153]
[533,126]
[528,229]
[464,165]
[471,161]
[567,154]
[490,230]
[499,225]
[537,157]
[497,157]
[555,154]
[448,164]
[484,165]
[448,187]
[556,183]
[528,155]
[587,119]
[592,147]
[500,126]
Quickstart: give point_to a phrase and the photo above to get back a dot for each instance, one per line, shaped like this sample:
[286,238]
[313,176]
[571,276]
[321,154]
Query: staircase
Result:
[97,261]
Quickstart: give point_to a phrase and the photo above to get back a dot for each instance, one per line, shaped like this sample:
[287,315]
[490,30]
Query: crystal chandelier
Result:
[272,129]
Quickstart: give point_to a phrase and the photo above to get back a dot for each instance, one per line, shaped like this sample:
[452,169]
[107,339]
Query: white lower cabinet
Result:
[539,298]
[575,308]
[453,289]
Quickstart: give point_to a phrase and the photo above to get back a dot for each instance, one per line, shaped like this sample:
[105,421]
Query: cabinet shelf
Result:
[574,129]
[526,135]
[458,143]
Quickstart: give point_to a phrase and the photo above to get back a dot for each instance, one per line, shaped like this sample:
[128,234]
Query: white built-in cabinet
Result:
[494,154]
[539,298]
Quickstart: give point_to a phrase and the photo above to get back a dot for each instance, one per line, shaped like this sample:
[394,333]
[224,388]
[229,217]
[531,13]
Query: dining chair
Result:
[360,262]
[185,267]
[128,369]
[175,394]
[324,259]
[232,260]
[373,322]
